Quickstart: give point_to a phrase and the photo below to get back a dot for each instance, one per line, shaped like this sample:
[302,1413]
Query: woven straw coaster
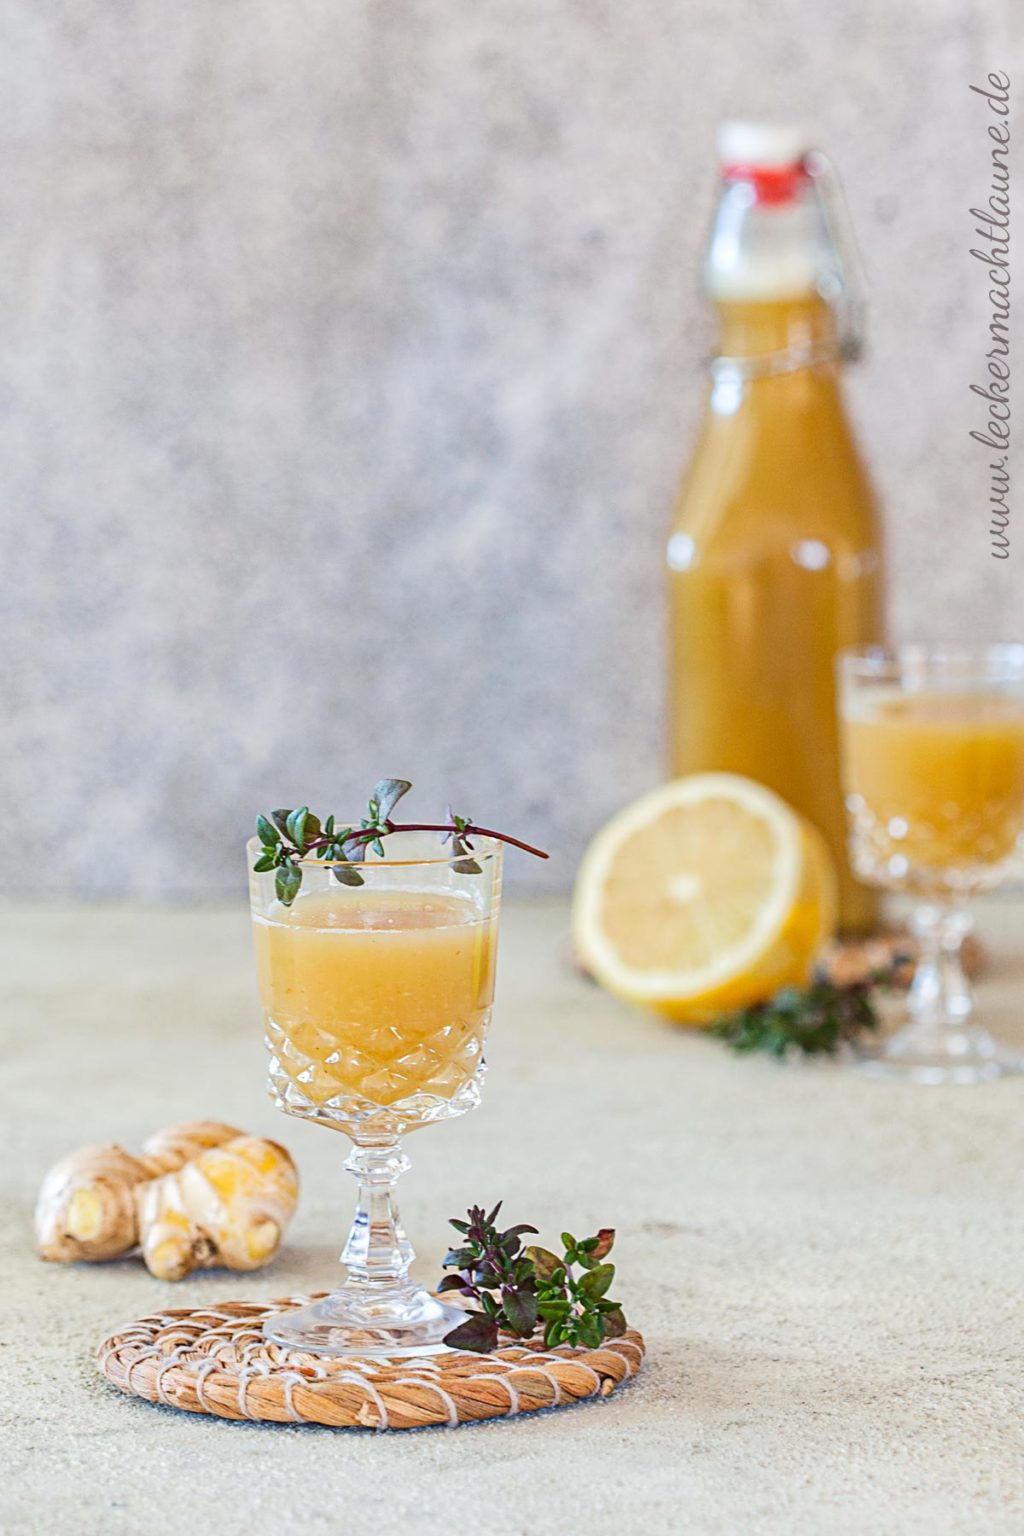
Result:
[216,1360]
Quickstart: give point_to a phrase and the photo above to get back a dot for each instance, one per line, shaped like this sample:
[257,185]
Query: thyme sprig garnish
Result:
[289,836]
[809,1021]
[518,1289]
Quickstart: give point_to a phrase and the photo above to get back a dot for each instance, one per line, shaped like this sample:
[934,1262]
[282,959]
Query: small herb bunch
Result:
[813,1021]
[516,1288]
[287,837]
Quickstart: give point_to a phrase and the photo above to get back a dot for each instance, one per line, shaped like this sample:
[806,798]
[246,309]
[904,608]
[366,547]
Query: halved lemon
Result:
[703,896]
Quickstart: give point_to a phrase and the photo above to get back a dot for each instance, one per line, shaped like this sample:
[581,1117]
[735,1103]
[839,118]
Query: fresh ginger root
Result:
[230,1206]
[200,1195]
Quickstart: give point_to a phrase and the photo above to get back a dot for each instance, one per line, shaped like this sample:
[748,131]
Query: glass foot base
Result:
[957,1056]
[408,1321]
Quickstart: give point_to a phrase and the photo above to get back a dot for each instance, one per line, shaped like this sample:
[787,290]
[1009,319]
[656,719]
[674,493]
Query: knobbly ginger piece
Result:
[200,1195]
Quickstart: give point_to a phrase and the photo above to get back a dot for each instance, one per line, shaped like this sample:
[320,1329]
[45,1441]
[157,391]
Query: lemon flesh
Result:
[705,895]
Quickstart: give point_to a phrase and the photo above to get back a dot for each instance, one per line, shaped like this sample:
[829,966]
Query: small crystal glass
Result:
[933,769]
[376,1001]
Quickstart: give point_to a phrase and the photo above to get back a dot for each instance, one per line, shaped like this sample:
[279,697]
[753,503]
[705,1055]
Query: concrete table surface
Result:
[827,1270]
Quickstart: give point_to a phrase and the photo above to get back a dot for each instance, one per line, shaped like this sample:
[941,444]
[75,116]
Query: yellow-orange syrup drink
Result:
[376,974]
[376,994]
[933,763]
[774,558]
[936,782]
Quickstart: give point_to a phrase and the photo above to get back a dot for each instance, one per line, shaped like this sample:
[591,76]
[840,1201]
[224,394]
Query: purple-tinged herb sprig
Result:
[289,836]
[519,1289]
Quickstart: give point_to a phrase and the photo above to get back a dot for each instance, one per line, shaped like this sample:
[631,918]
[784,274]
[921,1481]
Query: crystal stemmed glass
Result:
[933,767]
[376,1000]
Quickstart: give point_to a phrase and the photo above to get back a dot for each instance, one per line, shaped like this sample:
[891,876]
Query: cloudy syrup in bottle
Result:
[774,558]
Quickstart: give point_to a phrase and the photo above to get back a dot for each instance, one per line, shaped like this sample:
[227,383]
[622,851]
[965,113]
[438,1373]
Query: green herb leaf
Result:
[545,1264]
[594,1282]
[553,1308]
[267,833]
[296,825]
[520,1309]
[590,1330]
[287,882]
[265,862]
[386,795]
[346,875]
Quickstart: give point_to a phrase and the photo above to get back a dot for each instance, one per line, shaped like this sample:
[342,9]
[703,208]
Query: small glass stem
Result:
[940,995]
[377,1252]
[378,1309]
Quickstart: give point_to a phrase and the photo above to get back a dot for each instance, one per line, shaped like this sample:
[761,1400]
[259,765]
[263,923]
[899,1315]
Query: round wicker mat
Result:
[215,1360]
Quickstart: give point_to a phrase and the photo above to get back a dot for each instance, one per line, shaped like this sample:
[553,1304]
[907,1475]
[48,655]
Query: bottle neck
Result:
[774,274]
[759,327]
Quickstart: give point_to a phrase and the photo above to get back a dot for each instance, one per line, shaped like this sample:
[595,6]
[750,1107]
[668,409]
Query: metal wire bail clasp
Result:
[843,287]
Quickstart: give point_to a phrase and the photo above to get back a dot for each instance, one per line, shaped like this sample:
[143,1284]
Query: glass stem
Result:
[377,1253]
[940,995]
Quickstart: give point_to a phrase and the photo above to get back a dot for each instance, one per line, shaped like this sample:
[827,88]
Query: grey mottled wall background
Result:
[348,365]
